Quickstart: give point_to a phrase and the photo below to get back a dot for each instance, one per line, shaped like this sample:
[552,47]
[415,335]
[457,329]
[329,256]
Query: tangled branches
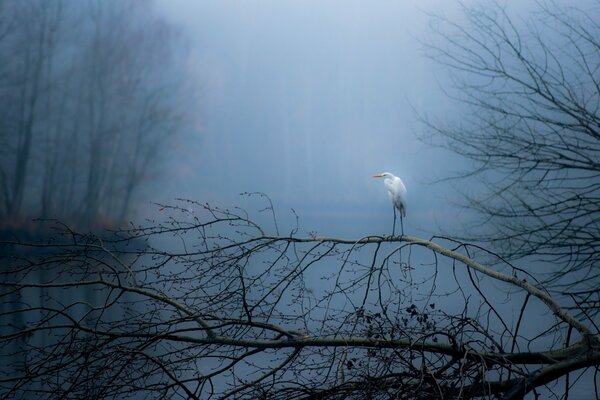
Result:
[209,304]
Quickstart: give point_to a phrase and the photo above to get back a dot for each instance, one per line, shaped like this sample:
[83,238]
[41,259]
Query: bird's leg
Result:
[401,224]
[394,226]
[400,249]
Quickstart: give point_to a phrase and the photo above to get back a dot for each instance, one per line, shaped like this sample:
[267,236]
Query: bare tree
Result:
[28,51]
[90,93]
[210,305]
[531,93]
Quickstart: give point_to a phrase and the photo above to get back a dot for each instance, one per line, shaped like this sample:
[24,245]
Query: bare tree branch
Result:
[220,308]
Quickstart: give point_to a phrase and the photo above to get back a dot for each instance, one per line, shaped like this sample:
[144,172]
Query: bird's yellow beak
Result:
[378,176]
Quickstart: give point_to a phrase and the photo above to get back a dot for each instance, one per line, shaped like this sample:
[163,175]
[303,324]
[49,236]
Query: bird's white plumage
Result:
[397,194]
[396,191]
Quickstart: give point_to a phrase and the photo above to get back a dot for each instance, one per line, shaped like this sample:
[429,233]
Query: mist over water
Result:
[305,101]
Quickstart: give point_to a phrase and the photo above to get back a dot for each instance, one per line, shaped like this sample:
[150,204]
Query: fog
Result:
[304,101]
[116,107]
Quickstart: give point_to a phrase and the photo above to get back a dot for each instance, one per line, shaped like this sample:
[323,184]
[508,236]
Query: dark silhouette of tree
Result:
[89,94]
[531,90]
[210,305]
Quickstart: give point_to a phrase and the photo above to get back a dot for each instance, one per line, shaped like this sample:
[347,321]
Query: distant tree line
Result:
[87,99]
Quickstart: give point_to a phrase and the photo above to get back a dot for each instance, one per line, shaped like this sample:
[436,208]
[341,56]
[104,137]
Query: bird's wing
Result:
[399,187]
[398,195]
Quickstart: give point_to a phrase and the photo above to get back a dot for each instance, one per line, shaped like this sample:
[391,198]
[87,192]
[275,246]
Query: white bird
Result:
[397,193]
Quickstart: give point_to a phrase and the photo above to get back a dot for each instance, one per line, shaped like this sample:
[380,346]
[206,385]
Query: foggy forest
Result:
[299,199]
